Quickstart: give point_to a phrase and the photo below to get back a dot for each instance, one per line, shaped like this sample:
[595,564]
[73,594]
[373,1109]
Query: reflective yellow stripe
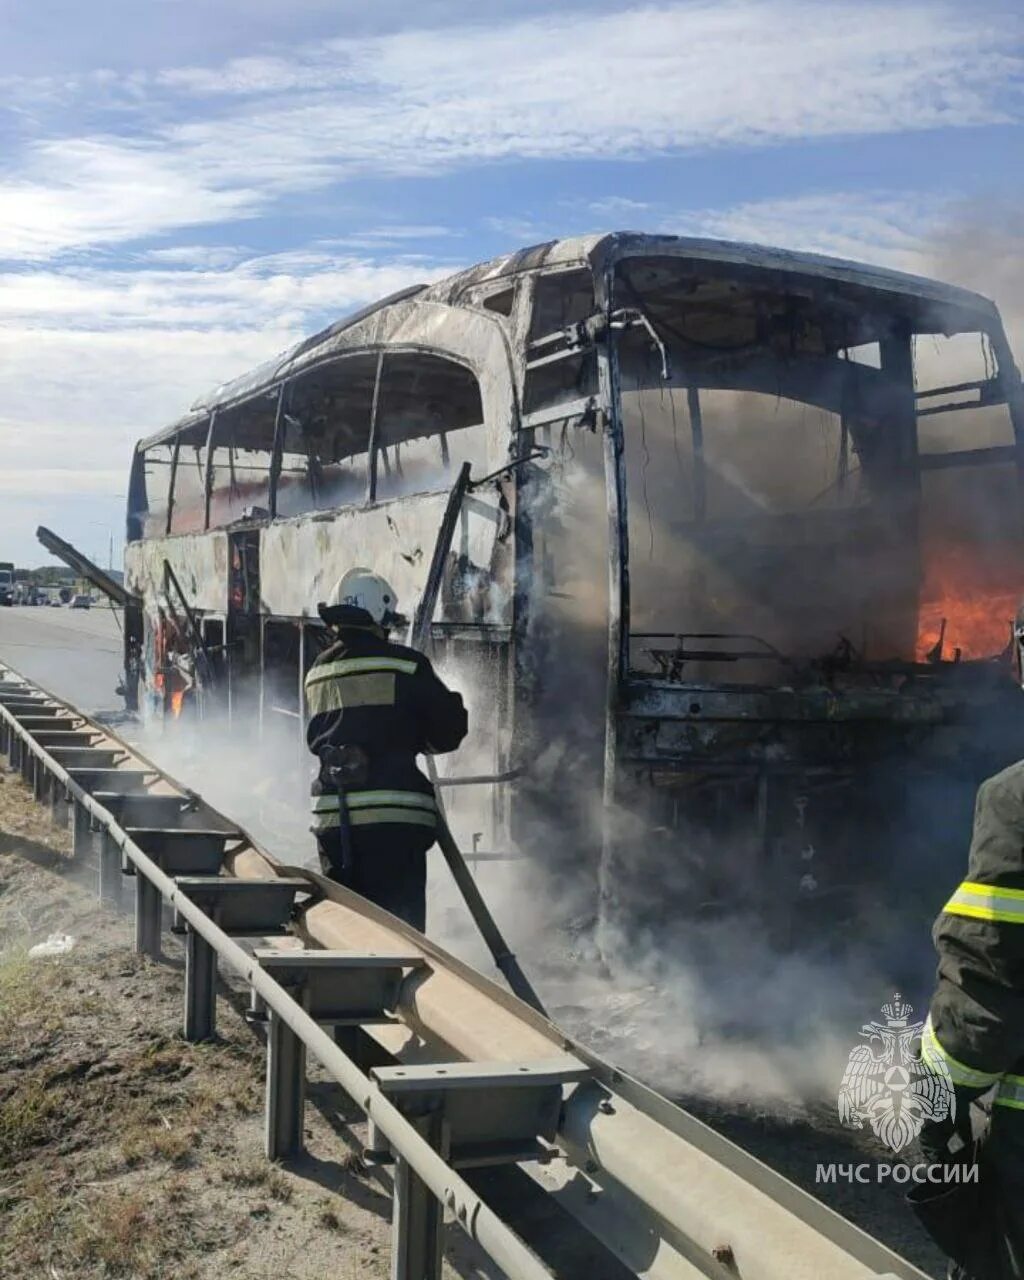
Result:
[358,666]
[936,1057]
[328,820]
[365,808]
[415,799]
[1011,1092]
[368,799]
[367,689]
[987,902]
[368,817]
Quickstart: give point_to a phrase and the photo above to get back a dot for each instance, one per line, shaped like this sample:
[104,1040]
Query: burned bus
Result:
[726,541]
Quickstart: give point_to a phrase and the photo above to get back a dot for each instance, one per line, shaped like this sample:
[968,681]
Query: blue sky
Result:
[187,187]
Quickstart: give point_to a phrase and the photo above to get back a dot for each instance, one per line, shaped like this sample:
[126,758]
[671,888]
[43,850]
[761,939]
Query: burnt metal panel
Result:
[199,562]
[698,703]
[302,559]
[84,566]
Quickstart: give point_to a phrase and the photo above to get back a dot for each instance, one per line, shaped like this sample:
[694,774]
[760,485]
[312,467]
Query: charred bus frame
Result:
[228,558]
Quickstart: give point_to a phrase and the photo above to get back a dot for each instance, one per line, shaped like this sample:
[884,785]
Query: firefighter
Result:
[373,707]
[975,1029]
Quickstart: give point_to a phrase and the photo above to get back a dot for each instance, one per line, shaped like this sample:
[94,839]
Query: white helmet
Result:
[366,590]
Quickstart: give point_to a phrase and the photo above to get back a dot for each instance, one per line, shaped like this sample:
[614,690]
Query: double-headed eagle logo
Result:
[889,1085]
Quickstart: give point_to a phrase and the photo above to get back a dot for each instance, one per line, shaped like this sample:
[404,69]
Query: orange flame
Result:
[177,700]
[969,592]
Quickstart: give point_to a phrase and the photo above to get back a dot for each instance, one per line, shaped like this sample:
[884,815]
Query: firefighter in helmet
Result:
[373,707]
[975,1033]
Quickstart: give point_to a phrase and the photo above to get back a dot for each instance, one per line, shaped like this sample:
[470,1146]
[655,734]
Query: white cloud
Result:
[91,191]
[68,385]
[888,228]
[388,237]
[286,291]
[91,360]
[73,404]
[212,257]
[79,400]
[42,482]
[525,230]
[618,207]
[224,142]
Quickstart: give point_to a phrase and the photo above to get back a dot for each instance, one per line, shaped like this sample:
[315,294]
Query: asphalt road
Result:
[75,653]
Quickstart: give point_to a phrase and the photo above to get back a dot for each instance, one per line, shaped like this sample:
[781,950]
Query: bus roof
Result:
[963,307]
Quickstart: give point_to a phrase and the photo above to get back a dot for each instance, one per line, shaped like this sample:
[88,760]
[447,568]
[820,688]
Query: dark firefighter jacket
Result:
[364,691]
[976,1021]
[975,1029]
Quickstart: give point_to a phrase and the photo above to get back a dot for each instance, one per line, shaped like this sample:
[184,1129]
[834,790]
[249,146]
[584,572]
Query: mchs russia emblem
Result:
[887,1084]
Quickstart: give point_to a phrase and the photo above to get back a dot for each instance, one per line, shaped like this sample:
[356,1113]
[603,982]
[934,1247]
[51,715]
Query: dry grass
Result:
[29,1117]
[99,1230]
[34,1218]
[32,1010]
[18,992]
[230,1086]
[125,1153]
[110,1232]
[118,1230]
[160,1058]
[260,1173]
[353,1164]
[329,1220]
[33,1000]
[155,1138]
[21,819]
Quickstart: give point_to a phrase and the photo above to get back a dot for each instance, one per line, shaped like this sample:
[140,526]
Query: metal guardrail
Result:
[668,1198]
[416,1241]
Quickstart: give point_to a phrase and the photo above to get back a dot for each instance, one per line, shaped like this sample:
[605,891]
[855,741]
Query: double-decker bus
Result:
[728,589]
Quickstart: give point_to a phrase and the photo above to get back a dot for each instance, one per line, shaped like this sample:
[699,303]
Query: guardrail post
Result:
[200,988]
[377,1149]
[258,1011]
[59,803]
[82,831]
[40,781]
[354,1044]
[110,870]
[286,1089]
[416,1216]
[148,911]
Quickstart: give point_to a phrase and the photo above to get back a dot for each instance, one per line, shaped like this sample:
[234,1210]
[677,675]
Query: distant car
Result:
[55,602]
[81,602]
